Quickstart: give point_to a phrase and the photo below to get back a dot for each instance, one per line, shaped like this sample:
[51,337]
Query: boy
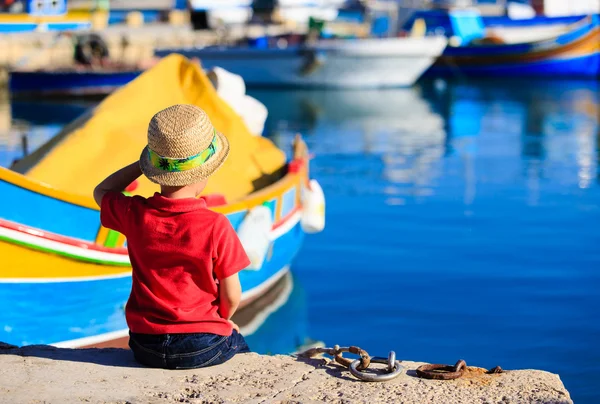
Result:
[185,258]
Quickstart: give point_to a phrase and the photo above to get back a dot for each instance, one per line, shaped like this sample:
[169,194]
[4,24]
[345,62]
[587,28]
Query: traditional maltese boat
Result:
[558,47]
[65,278]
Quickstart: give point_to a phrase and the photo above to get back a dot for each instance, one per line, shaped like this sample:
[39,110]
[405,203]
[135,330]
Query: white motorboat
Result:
[326,63]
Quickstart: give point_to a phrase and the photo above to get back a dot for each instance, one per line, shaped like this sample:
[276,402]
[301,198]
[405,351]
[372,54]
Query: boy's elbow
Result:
[233,299]
[231,289]
[232,295]
[98,195]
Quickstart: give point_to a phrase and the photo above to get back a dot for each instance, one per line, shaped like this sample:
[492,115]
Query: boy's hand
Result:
[234,325]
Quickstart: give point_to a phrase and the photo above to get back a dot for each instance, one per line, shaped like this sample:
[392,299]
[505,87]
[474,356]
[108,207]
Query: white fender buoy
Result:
[313,208]
[232,89]
[255,235]
[253,112]
[227,84]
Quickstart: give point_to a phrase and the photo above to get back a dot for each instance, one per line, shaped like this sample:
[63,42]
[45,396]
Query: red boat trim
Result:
[61,239]
[287,217]
[95,247]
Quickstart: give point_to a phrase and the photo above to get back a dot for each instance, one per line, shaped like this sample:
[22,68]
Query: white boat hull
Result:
[362,63]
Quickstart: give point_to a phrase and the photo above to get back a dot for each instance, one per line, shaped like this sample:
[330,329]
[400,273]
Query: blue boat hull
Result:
[573,54]
[92,308]
[88,304]
[583,67]
[68,83]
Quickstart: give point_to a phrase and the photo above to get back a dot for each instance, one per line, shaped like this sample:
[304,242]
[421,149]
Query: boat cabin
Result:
[461,25]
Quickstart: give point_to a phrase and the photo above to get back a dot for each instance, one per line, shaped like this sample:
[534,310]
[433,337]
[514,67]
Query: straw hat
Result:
[183,147]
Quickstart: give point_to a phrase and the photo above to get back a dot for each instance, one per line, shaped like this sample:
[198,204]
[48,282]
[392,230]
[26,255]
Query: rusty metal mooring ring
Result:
[364,361]
[336,352]
[442,372]
[370,377]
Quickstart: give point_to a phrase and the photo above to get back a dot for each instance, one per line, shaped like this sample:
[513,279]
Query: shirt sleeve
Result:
[113,211]
[229,254]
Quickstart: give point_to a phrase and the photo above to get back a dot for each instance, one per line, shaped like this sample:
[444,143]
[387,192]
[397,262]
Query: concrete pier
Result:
[33,50]
[42,374]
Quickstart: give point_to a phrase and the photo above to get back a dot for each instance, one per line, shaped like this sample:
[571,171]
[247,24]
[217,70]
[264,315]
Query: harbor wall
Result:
[48,374]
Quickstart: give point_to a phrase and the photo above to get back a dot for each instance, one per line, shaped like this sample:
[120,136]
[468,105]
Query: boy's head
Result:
[184,149]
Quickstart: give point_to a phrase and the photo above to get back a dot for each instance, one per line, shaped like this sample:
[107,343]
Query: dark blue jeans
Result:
[185,351]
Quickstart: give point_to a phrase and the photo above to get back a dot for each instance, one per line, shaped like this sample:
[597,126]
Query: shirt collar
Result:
[176,205]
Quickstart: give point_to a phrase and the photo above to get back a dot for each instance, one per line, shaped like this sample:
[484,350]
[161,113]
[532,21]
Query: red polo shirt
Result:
[178,250]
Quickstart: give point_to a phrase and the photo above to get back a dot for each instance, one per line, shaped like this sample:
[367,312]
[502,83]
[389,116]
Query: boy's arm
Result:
[230,294]
[117,181]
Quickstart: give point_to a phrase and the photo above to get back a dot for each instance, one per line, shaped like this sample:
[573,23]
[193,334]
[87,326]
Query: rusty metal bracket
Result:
[495,370]
[442,372]
[448,372]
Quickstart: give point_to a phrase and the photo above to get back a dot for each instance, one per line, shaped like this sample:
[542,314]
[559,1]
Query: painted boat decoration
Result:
[41,15]
[540,48]
[65,278]
[328,63]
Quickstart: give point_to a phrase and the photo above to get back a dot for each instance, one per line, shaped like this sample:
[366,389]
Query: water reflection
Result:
[278,323]
[553,122]
[395,128]
[26,125]
[405,134]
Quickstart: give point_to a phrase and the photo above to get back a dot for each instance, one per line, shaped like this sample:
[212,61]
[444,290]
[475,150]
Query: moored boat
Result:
[64,277]
[84,81]
[92,72]
[539,48]
[328,63]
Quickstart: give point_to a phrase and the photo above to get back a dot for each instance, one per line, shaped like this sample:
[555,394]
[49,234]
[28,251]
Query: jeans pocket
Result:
[199,361]
[188,351]
[194,345]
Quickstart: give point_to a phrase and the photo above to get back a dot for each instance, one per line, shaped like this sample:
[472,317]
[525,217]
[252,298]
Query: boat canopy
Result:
[115,133]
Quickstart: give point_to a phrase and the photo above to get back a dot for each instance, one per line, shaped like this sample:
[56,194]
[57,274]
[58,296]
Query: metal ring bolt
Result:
[391,361]
[370,377]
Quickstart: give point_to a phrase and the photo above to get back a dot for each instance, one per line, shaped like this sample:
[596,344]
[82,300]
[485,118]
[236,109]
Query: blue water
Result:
[462,222]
